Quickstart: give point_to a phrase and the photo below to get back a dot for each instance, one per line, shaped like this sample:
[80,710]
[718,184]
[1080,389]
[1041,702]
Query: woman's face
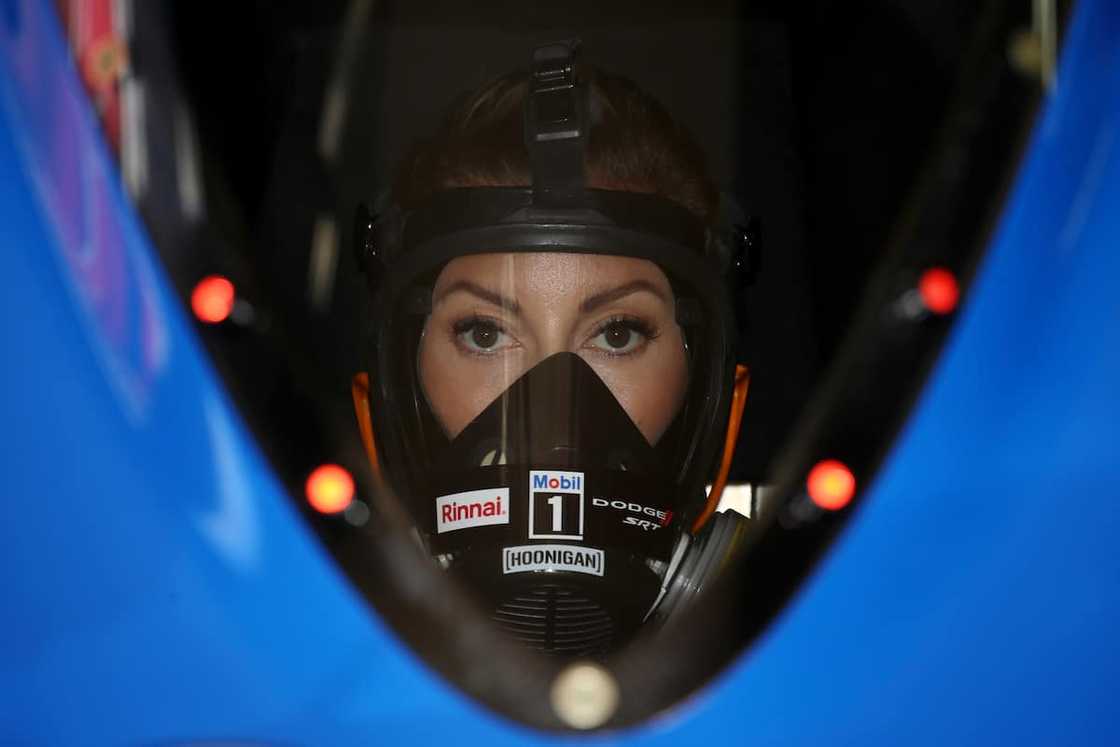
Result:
[495,316]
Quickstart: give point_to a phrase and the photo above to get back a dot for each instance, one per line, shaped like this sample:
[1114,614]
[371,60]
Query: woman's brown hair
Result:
[633,146]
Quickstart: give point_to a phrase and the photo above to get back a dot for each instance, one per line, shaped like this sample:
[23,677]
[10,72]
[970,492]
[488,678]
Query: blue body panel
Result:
[158,586]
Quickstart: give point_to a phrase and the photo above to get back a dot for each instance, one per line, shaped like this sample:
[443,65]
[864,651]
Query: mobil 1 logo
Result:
[555,504]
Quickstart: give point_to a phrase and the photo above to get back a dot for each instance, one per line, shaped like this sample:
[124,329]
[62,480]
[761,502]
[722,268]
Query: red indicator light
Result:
[831,485]
[939,290]
[330,489]
[212,299]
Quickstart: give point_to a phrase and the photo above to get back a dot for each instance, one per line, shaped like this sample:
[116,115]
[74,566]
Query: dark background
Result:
[815,116]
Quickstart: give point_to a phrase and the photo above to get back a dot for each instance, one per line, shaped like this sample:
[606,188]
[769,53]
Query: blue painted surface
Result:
[158,586]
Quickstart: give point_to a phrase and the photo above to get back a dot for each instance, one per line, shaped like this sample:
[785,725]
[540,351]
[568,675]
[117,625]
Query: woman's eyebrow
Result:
[607,296]
[466,286]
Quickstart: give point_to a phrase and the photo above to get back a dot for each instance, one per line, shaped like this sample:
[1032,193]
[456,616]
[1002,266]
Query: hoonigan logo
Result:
[570,558]
[473,508]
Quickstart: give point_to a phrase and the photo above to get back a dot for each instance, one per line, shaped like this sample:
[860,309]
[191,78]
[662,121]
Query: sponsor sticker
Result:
[472,508]
[555,504]
[657,517]
[572,558]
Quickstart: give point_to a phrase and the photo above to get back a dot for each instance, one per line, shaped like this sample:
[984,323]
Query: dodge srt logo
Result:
[648,519]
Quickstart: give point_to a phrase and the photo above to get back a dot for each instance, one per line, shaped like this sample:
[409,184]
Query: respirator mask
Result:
[564,516]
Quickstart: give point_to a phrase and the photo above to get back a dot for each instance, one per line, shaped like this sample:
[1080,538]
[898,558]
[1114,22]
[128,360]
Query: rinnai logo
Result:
[570,558]
[473,508]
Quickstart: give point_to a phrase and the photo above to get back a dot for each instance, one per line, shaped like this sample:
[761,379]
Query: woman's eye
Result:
[619,337]
[482,336]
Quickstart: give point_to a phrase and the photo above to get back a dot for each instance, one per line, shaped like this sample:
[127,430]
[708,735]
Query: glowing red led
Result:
[330,489]
[831,485]
[939,290]
[212,299]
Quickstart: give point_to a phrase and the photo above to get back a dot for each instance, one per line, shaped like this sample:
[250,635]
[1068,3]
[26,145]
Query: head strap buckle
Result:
[556,124]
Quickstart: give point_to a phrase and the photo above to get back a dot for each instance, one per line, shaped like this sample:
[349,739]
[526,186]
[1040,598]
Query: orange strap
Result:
[738,401]
[359,390]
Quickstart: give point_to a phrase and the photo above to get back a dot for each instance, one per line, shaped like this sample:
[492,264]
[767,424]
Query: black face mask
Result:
[554,509]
